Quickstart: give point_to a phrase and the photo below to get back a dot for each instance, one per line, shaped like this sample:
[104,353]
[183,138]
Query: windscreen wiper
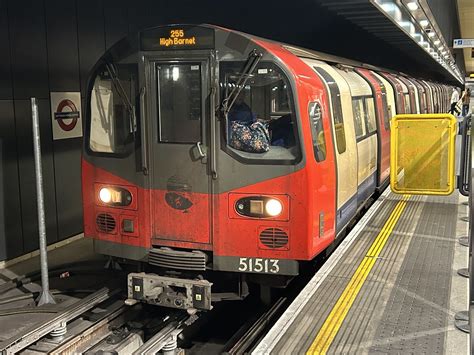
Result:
[123,95]
[250,65]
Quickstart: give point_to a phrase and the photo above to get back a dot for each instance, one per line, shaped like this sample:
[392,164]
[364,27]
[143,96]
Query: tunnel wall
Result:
[50,45]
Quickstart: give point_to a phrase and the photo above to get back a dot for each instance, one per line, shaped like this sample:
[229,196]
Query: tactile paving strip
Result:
[416,315]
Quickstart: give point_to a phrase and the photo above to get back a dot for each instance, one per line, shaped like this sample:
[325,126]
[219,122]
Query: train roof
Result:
[131,43]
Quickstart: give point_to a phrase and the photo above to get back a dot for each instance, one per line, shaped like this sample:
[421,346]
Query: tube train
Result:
[163,187]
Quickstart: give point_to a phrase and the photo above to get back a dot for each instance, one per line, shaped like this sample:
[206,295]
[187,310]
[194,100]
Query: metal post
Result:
[45,296]
[471,231]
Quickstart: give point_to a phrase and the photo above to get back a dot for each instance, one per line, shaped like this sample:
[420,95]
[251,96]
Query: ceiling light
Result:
[437,42]
[424,23]
[388,7]
[412,6]
[431,34]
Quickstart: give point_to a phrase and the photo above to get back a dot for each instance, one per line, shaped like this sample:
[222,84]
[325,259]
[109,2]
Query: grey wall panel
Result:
[28,49]
[67,163]
[27,175]
[5,69]
[116,21]
[11,238]
[61,31]
[91,34]
[445,13]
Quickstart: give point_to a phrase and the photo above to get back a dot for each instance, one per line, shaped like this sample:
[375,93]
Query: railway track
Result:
[101,322]
[251,333]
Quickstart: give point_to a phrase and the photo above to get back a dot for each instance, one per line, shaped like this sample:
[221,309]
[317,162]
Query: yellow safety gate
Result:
[422,154]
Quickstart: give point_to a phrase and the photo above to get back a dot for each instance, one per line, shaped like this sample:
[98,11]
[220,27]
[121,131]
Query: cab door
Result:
[178,91]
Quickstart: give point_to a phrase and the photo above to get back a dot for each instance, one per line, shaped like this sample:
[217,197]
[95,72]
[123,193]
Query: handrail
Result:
[464,170]
[471,231]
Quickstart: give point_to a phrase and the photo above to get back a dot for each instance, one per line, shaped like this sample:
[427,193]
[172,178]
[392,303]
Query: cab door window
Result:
[179,102]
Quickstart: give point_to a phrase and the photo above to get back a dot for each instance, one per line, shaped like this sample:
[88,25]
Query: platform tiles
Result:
[389,288]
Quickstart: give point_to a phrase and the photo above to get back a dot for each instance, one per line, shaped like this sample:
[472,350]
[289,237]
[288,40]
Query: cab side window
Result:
[261,123]
[113,113]
[317,131]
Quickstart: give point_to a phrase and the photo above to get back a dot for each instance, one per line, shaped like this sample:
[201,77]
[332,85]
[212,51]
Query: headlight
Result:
[105,195]
[273,207]
[115,196]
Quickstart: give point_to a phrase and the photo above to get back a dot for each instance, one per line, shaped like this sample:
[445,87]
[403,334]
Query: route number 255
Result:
[259,265]
[177,33]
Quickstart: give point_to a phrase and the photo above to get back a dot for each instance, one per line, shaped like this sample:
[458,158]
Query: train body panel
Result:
[365,125]
[343,134]
[379,93]
[399,96]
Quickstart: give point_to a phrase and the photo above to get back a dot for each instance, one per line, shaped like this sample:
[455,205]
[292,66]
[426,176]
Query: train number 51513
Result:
[259,265]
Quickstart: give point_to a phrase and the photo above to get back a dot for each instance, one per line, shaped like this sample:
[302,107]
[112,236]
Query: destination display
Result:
[172,38]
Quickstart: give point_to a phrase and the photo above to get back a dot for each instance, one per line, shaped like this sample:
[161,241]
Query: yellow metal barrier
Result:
[422,154]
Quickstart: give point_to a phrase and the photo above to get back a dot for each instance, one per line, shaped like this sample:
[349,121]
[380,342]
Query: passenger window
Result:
[179,102]
[263,112]
[386,112]
[113,102]
[370,115]
[317,131]
[336,106]
[358,108]
[407,104]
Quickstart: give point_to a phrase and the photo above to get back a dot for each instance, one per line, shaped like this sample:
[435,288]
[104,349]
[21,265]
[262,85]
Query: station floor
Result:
[391,287]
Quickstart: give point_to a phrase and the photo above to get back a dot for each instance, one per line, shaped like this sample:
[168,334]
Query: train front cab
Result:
[162,185]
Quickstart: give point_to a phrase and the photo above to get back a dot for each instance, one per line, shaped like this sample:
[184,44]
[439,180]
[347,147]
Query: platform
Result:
[391,287]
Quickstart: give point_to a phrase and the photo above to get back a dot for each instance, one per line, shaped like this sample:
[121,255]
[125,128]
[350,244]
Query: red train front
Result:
[163,185]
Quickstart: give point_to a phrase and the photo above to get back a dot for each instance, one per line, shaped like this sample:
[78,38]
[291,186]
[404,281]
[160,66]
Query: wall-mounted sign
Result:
[66,115]
[463,43]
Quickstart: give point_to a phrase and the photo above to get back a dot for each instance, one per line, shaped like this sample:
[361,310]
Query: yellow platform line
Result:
[333,322]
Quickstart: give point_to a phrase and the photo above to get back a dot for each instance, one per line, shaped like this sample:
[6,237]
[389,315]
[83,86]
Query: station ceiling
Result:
[466,22]
[367,15]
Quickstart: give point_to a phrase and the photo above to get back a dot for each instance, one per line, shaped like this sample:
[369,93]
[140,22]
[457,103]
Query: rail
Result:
[166,338]
[252,335]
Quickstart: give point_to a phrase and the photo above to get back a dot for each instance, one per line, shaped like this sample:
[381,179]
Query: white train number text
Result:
[259,265]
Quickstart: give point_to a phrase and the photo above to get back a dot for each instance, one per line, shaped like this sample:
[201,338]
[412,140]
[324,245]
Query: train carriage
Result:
[176,178]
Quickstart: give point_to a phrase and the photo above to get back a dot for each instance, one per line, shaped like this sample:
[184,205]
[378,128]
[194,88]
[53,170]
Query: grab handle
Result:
[144,131]
[201,153]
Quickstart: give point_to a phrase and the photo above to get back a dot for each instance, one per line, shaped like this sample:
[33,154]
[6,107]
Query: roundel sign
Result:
[66,115]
